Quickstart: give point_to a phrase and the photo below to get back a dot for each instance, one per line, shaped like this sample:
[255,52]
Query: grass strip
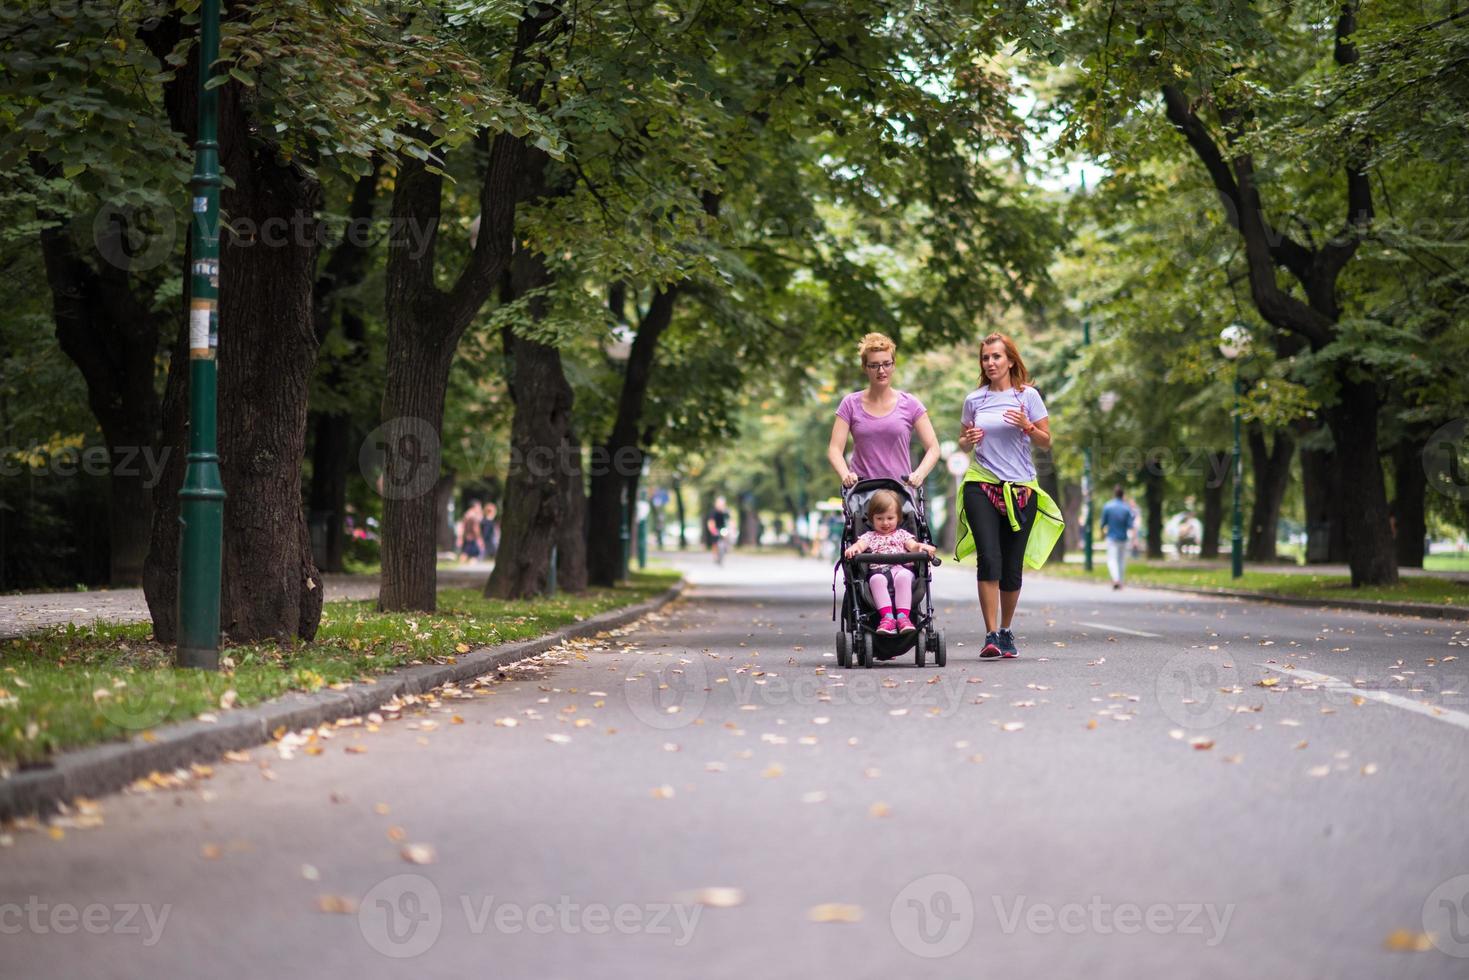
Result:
[72,686]
[1417,588]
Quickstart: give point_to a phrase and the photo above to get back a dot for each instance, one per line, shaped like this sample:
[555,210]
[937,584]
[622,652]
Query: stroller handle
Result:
[898,559]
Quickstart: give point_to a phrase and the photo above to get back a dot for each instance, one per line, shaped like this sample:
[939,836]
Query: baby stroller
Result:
[859,643]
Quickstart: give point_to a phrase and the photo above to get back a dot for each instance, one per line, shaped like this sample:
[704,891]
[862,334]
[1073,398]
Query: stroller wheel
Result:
[940,651]
[866,642]
[920,647]
[843,650]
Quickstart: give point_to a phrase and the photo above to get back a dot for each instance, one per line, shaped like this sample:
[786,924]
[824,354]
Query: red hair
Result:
[1019,376]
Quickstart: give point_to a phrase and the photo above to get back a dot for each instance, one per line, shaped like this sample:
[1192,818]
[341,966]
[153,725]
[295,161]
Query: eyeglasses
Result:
[879,366]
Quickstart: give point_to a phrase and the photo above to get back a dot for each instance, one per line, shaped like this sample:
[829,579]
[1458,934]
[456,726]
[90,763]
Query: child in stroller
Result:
[886,554]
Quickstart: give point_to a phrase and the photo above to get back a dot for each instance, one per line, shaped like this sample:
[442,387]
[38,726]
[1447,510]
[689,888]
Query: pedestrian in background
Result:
[1117,520]
[468,537]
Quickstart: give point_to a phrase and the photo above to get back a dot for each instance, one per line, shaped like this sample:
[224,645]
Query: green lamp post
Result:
[201,497]
[1234,342]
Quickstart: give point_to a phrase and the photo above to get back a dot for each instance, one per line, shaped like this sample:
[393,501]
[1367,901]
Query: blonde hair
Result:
[876,343]
[1019,376]
[883,501]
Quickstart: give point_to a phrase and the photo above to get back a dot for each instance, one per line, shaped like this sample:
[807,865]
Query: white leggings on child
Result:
[902,587]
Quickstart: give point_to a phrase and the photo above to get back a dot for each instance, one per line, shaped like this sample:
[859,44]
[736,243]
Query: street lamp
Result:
[201,497]
[1086,476]
[1234,343]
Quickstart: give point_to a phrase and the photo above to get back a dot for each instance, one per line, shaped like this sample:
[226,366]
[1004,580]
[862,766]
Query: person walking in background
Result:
[716,529]
[1006,518]
[881,421]
[468,537]
[1117,519]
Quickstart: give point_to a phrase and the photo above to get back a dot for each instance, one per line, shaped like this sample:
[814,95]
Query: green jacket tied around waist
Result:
[1048,520]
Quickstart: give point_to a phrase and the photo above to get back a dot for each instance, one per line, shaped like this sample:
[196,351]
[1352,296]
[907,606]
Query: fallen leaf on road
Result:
[506,722]
[1267,682]
[1201,743]
[418,853]
[210,852]
[773,770]
[356,749]
[1012,726]
[1234,759]
[381,809]
[833,912]
[879,810]
[558,738]
[1407,941]
[309,872]
[664,792]
[1318,771]
[1370,769]
[719,897]
[397,834]
[1177,734]
[336,904]
[815,796]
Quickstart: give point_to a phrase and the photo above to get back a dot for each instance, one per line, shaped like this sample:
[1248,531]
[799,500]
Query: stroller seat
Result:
[859,641]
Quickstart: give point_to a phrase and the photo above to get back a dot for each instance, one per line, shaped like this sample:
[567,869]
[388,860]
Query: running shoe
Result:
[1006,642]
[905,625]
[991,649]
[888,626]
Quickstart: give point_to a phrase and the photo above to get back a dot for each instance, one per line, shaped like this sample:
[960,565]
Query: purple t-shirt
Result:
[1005,448]
[880,444]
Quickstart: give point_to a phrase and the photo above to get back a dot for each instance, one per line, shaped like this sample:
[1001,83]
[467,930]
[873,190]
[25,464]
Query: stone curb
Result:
[107,768]
[1422,609]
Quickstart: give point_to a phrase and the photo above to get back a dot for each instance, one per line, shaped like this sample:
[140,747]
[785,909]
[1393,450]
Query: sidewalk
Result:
[20,614]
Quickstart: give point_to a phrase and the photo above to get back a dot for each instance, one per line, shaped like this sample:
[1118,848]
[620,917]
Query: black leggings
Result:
[1001,548]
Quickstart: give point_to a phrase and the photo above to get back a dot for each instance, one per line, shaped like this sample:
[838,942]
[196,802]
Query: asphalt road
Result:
[1125,800]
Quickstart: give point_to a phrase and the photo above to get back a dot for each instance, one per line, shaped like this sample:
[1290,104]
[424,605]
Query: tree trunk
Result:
[540,432]
[267,351]
[1325,543]
[1361,491]
[330,460]
[571,537]
[1315,317]
[1271,470]
[1214,503]
[618,461]
[749,535]
[1411,485]
[678,500]
[109,332]
[331,451]
[443,496]
[1153,500]
[425,323]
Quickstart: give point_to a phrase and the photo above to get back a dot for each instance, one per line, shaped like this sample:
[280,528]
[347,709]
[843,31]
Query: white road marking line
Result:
[1121,629]
[1336,684]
